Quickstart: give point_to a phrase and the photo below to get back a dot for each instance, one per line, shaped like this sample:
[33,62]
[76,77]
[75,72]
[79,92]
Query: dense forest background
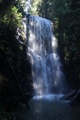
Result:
[65,15]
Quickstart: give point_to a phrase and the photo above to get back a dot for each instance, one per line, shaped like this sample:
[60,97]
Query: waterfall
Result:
[42,49]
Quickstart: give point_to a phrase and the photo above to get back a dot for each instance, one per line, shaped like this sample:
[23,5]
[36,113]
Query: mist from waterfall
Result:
[42,49]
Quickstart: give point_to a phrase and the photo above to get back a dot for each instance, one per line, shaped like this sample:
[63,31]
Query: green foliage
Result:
[11,13]
[34,6]
[12,18]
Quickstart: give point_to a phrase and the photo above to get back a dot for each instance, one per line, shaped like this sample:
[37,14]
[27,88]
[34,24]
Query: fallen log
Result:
[75,98]
[69,95]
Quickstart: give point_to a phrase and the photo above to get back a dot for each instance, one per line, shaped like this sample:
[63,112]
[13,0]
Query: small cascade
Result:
[42,49]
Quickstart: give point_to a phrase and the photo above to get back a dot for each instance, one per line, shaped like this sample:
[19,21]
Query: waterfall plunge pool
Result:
[48,109]
[48,97]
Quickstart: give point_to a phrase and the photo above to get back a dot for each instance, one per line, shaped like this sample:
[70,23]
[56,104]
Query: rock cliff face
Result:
[15,76]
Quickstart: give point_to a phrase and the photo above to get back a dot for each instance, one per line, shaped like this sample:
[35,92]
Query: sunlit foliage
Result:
[12,18]
[35,6]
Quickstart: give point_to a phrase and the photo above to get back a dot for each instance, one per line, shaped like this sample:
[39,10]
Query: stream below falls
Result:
[48,109]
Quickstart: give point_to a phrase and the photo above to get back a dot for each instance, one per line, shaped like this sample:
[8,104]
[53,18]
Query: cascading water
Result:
[42,49]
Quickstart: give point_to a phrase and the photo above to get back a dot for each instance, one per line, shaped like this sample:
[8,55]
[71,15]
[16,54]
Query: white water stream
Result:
[42,49]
